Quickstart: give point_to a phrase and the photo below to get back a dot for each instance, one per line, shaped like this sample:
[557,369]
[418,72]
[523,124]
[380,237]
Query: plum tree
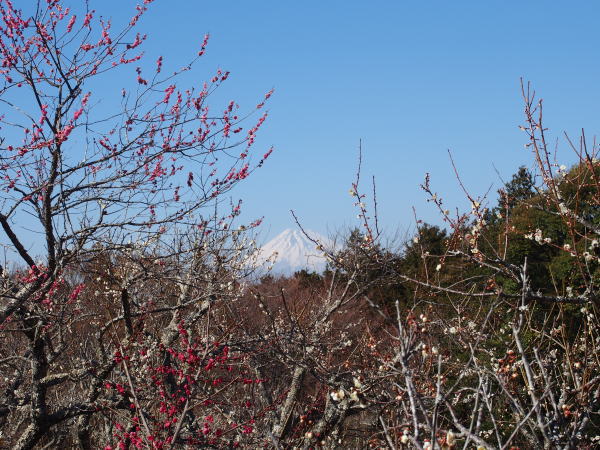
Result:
[108,198]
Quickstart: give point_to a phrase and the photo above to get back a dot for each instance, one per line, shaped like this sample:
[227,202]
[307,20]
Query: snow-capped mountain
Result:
[291,251]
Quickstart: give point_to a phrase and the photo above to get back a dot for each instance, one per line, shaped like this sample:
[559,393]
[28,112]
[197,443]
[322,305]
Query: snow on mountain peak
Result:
[292,251]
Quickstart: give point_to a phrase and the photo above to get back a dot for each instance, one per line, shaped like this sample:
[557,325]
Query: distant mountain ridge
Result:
[292,251]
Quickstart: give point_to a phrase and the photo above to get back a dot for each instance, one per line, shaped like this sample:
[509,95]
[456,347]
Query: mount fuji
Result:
[291,251]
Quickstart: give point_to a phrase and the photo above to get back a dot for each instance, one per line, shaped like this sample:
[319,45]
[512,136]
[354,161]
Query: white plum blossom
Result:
[338,395]
[404,438]
[563,208]
[450,438]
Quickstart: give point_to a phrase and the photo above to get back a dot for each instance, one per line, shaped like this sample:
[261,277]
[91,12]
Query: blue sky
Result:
[409,79]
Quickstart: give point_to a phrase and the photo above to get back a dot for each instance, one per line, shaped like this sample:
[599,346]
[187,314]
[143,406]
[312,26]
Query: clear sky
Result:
[411,79]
